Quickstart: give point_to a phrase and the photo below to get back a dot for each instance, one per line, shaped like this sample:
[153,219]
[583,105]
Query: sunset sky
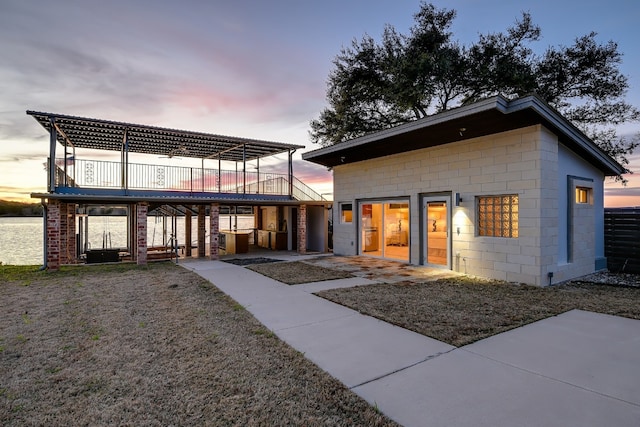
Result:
[247,68]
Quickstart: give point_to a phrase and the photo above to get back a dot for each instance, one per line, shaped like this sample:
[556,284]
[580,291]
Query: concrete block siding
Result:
[525,162]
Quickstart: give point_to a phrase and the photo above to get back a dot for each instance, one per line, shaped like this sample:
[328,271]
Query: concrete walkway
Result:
[575,369]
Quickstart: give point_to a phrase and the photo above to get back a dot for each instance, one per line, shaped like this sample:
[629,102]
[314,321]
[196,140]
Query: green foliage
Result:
[19,273]
[25,275]
[8,208]
[264,332]
[375,86]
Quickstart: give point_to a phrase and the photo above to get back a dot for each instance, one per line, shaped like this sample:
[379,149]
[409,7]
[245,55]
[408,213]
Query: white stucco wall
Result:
[525,162]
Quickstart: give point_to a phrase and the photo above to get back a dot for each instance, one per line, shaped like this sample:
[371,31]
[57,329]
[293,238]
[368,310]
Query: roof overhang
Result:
[487,117]
[82,132]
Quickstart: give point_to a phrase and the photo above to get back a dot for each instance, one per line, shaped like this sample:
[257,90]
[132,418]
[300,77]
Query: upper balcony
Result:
[84,176]
[206,174]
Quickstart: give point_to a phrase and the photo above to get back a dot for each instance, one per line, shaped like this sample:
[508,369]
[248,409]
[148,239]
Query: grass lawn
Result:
[296,273]
[155,345]
[463,310]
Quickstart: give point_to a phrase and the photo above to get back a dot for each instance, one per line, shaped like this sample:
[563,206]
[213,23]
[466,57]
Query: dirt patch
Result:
[462,310]
[298,272]
[156,345]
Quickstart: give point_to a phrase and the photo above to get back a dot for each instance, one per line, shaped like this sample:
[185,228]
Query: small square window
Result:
[346,213]
[583,195]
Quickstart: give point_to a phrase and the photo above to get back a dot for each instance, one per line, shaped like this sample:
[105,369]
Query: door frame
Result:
[425,198]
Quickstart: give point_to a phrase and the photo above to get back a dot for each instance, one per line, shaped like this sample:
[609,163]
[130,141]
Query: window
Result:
[583,195]
[346,213]
[498,216]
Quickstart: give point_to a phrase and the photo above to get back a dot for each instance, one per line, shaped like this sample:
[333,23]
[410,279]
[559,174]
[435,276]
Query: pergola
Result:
[80,132]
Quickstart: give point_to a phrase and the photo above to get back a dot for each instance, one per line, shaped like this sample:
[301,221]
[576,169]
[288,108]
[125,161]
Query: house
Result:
[504,189]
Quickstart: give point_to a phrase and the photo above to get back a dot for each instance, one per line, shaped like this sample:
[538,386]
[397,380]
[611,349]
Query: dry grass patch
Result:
[463,310]
[156,345]
[298,272]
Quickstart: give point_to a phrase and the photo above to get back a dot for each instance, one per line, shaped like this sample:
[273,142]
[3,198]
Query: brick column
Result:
[53,235]
[68,233]
[64,235]
[141,232]
[132,232]
[187,232]
[214,217]
[202,231]
[72,243]
[302,229]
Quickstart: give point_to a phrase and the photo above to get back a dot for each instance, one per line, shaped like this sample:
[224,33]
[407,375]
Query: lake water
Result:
[21,239]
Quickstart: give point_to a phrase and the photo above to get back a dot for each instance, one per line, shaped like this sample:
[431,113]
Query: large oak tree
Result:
[404,77]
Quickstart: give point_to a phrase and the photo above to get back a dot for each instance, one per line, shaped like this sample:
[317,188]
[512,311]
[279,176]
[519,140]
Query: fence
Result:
[622,239]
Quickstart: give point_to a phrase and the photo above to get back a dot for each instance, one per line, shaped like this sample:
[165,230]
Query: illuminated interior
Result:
[437,228]
[384,229]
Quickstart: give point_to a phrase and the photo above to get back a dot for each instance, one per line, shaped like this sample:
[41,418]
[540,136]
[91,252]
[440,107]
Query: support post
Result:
[202,175]
[132,233]
[258,173]
[124,161]
[202,237]
[219,174]
[291,173]
[141,232]
[187,233]
[302,229]
[214,217]
[68,233]
[53,235]
[53,139]
[65,182]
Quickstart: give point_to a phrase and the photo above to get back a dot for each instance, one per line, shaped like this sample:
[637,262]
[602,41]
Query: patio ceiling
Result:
[81,132]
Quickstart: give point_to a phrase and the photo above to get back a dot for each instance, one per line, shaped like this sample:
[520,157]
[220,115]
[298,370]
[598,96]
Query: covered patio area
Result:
[107,163]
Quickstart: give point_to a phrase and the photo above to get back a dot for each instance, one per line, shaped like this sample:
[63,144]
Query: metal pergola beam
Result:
[108,135]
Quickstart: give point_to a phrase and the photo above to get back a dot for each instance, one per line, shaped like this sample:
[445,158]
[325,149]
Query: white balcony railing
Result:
[110,175]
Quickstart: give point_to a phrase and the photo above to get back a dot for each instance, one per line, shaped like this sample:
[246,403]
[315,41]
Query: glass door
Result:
[436,242]
[384,229]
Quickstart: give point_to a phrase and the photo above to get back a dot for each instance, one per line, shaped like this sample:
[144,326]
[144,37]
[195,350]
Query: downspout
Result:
[44,235]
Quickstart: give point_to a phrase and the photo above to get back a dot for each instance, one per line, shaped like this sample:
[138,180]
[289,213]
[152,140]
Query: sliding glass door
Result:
[384,229]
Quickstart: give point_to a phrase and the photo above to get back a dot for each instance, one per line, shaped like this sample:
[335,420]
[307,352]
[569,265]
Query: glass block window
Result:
[498,216]
[346,213]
